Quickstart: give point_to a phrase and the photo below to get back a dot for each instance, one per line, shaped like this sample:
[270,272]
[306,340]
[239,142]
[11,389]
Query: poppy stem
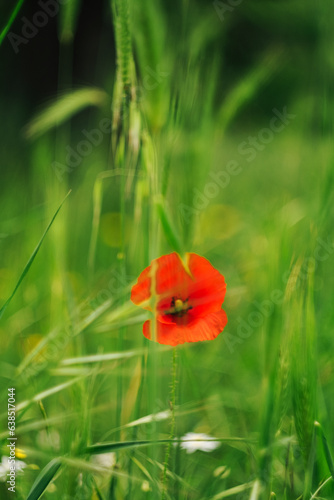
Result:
[172,426]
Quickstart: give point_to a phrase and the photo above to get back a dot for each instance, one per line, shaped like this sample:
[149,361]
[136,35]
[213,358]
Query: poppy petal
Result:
[207,292]
[205,328]
[141,291]
[170,277]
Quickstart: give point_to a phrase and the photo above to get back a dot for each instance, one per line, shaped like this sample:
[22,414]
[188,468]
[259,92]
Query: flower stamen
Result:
[178,307]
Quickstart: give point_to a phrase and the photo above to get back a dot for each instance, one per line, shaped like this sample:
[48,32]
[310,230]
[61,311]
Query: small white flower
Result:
[6,465]
[107,460]
[193,441]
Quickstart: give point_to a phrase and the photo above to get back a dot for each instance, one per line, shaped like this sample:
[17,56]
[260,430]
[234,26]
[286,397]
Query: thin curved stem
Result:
[11,20]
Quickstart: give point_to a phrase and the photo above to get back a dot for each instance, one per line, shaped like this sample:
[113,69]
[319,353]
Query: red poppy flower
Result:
[185,297]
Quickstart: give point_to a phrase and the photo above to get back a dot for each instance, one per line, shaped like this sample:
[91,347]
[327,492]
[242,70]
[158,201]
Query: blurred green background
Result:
[189,126]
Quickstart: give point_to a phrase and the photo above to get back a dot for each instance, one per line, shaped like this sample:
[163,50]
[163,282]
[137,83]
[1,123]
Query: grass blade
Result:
[11,20]
[315,494]
[249,85]
[98,358]
[31,260]
[44,478]
[69,13]
[63,108]
[47,393]
[97,449]
[327,451]
[233,491]
[167,226]
[113,446]
[256,490]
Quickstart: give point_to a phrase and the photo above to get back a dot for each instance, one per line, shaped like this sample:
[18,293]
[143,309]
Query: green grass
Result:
[87,382]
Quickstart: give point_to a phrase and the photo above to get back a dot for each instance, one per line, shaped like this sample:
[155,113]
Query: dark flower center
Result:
[178,307]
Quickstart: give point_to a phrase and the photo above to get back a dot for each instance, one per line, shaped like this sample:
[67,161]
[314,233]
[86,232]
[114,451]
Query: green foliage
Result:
[43,479]
[231,160]
[30,261]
